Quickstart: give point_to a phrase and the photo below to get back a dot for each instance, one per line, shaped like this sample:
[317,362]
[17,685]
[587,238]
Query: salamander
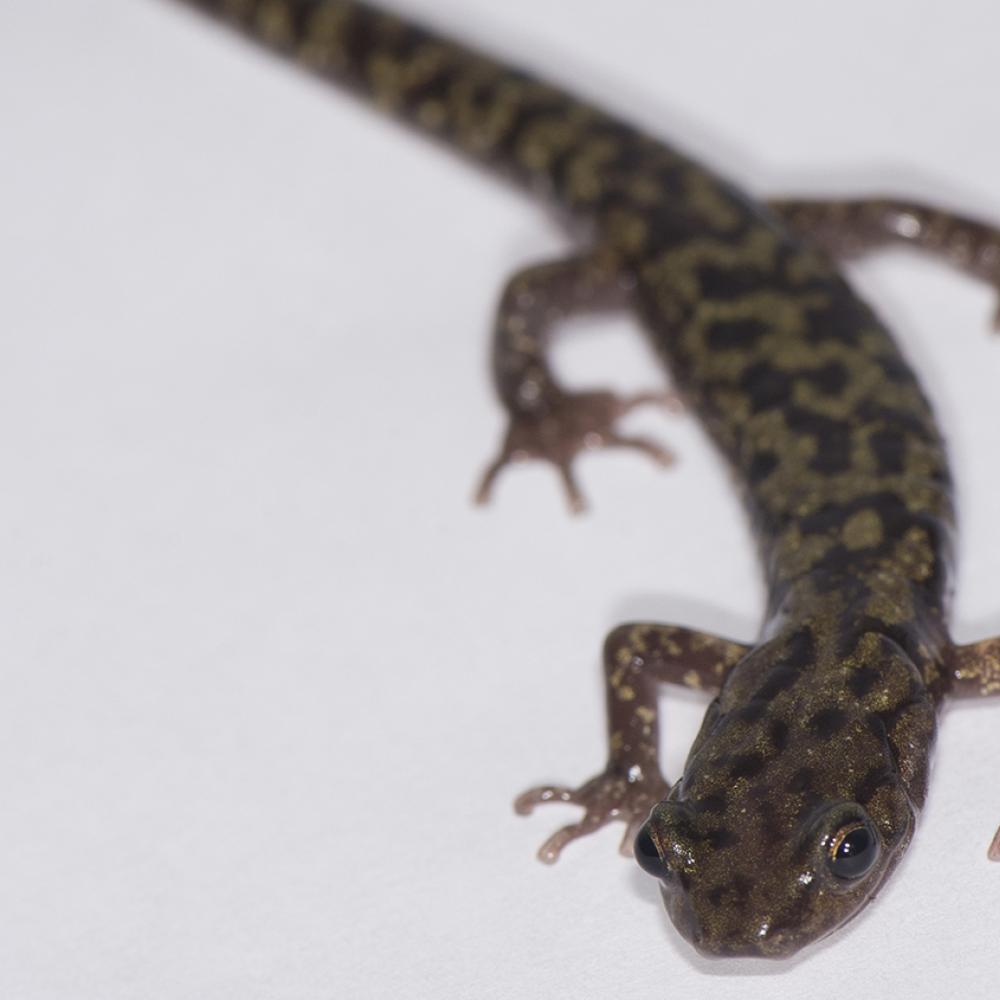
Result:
[804,784]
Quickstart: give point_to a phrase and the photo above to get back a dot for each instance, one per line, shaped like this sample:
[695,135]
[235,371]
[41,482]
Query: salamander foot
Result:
[569,424]
[613,795]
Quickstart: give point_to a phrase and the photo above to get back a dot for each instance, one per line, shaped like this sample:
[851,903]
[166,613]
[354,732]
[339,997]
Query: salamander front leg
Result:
[546,421]
[636,658]
[975,669]
[975,673]
[852,227]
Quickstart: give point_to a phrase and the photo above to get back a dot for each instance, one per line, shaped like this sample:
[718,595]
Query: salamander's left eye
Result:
[648,856]
[853,850]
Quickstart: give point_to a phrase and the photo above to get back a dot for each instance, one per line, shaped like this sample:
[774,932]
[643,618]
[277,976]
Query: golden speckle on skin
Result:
[673,648]
[692,679]
[915,554]
[891,599]
[432,114]
[274,23]
[626,230]
[637,640]
[863,530]
[323,45]
[626,692]
[868,649]
[796,554]
[386,76]
[644,191]
[976,667]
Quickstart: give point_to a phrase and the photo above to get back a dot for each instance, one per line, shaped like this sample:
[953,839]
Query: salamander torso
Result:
[802,789]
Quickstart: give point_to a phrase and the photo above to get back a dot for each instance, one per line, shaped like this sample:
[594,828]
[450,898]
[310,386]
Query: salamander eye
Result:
[648,856]
[853,850]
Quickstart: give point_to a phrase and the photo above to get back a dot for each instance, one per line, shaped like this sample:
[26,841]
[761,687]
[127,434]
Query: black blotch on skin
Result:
[841,320]
[875,411]
[872,782]
[778,680]
[831,568]
[862,680]
[833,439]
[711,804]
[802,780]
[801,650]
[830,379]
[889,448]
[358,44]
[734,894]
[828,721]
[767,387]
[828,519]
[299,17]
[725,284]
[746,765]
[741,886]
[721,838]
[779,734]
[761,466]
[772,832]
[751,711]
[725,335]
[876,726]
[895,369]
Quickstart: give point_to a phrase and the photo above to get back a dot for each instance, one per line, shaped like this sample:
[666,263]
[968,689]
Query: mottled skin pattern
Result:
[825,725]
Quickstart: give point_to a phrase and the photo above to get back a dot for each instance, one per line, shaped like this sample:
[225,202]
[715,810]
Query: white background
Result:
[270,682]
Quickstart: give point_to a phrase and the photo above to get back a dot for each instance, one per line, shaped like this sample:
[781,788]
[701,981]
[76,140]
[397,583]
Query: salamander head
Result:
[793,807]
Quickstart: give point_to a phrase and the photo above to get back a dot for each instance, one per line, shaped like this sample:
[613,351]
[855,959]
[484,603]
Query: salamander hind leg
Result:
[852,227]
[637,658]
[546,421]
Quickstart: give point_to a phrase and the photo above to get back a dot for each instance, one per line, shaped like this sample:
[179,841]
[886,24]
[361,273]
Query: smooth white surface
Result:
[269,680]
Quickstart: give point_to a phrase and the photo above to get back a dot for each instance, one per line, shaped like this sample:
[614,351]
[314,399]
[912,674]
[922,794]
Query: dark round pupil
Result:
[648,856]
[855,853]
[854,843]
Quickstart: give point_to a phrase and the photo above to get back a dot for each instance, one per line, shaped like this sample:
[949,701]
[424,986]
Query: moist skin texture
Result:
[802,789]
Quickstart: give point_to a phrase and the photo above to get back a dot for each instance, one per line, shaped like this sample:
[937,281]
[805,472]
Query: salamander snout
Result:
[738,893]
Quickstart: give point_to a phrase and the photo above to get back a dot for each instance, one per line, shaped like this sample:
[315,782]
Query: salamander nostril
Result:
[648,856]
